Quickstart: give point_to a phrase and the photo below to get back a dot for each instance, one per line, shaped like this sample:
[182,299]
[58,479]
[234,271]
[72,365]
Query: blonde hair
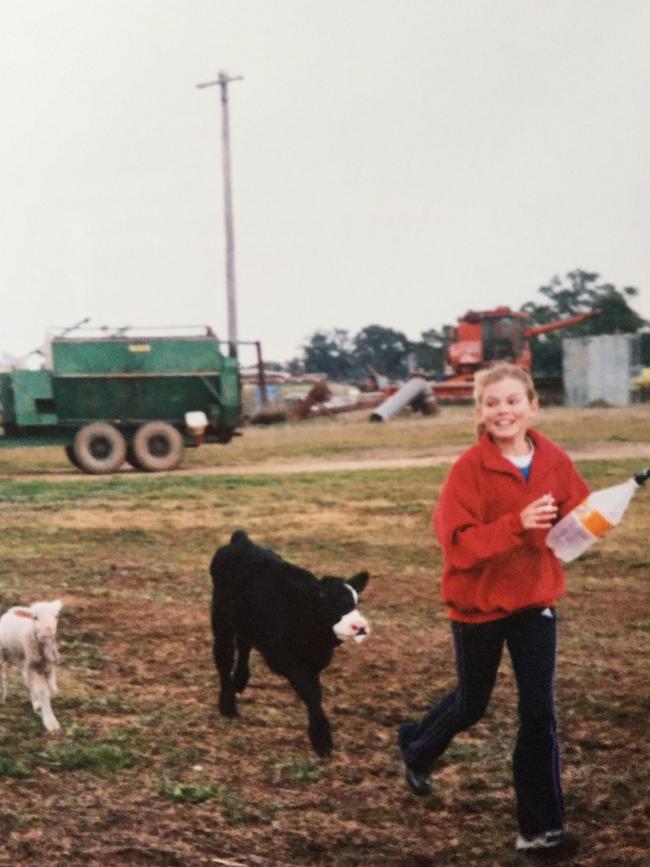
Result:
[502,371]
[497,373]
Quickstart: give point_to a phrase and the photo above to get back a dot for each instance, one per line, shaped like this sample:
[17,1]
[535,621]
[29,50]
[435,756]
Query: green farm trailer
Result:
[133,398]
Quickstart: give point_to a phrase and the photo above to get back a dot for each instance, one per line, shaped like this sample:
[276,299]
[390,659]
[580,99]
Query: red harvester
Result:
[483,338]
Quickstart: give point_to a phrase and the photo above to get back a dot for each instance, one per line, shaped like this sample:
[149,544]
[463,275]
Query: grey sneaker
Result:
[549,846]
[419,784]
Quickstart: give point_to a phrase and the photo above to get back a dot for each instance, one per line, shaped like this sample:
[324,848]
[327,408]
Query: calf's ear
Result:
[359,581]
[239,537]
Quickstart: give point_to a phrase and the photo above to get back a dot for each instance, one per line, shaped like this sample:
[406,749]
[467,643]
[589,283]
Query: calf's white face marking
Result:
[352,624]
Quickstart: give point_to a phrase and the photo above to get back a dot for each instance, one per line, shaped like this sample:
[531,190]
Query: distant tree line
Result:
[578,292]
[346,357]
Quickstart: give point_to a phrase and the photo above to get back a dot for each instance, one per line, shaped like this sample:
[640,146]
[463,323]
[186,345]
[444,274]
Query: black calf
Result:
[294,620]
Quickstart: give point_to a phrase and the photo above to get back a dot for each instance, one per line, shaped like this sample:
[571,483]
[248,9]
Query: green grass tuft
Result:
[11,767]
[297,770]
[189,793]
[97,758]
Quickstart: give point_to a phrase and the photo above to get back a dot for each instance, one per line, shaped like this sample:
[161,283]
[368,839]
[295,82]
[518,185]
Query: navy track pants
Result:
[531,638]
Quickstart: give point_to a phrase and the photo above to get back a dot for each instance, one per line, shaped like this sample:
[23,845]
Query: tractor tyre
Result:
[157,446]
[99,448]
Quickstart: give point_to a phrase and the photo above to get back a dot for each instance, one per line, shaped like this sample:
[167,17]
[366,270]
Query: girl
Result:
[500,583]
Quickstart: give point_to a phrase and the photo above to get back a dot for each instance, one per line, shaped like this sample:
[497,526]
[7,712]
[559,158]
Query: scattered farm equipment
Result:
[319,401]
[319,393]
[485,337]
[416,393]
[129,397]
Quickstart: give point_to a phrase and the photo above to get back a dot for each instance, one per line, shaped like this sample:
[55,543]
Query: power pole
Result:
[223,81]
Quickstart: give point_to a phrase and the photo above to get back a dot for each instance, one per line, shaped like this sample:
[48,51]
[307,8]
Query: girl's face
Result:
[506,412]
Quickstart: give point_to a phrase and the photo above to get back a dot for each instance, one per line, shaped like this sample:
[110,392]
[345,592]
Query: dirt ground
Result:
[194,789]
[438,455]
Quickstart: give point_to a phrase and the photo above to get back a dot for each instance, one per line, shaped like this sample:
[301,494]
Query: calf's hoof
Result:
[321,743]
[240,682]
[228,709]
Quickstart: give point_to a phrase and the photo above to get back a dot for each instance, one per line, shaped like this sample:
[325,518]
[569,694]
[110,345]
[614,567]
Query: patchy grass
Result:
[146,771]
[96,758]
[296,770]
[9,767]
[352,437]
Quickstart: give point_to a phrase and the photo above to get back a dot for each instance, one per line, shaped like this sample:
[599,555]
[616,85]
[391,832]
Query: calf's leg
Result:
[242,671]
[223,650]
[307,685]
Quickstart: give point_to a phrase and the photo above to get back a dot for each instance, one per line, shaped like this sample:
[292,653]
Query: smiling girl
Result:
[500,583]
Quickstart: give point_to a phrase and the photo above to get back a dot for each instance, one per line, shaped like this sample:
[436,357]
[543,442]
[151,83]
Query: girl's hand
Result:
[540,514]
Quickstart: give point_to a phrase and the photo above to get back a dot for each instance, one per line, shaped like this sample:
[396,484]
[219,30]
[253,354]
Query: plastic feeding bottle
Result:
[590,520]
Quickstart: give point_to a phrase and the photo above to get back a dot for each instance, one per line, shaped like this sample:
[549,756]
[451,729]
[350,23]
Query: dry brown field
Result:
[145,771]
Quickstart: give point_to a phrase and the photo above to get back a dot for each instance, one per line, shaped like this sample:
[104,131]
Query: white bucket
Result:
[197,422]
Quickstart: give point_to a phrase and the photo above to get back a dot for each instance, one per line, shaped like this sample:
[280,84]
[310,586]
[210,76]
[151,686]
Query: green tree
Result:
[578,292]
[296,366]
[383,349]
[429,351]
[330,352]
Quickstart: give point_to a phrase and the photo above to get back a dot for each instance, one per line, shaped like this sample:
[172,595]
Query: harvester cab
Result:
[485,336]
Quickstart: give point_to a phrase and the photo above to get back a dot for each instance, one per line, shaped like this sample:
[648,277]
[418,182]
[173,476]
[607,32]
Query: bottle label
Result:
[593,521]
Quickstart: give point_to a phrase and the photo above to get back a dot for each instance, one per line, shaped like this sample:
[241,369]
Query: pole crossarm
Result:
[222,80]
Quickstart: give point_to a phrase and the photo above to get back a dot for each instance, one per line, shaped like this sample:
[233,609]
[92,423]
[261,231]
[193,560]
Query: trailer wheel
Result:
[157,446]
[69,451]
[99,448]
[131,458]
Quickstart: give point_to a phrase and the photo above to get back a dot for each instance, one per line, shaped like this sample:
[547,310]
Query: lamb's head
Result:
[45,616]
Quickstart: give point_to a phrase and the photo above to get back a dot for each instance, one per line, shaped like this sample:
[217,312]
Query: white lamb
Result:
[28,637]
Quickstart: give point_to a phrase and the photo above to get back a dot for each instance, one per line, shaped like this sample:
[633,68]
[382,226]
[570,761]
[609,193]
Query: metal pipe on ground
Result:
[416,390]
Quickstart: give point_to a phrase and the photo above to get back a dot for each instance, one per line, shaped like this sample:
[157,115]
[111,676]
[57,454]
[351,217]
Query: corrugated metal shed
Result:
[600,369]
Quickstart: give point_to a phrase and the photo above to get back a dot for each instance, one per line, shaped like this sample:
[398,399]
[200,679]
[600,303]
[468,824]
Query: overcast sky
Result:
[393,161]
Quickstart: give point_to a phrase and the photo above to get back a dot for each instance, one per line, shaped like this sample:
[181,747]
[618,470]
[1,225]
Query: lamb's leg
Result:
[50,662]
[3,676]
[30,676]
[51,679]
[41,701]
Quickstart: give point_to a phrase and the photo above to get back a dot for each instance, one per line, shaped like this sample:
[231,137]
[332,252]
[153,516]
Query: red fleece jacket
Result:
[493,565]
